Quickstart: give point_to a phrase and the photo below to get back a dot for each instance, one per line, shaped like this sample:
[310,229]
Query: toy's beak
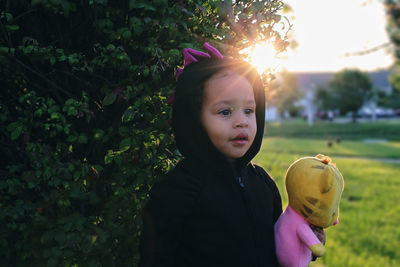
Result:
[336,222]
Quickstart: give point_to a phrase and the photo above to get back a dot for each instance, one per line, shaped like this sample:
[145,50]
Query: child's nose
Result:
[241,120]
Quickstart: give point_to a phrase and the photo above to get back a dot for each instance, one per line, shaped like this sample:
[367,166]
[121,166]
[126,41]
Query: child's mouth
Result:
[240,139]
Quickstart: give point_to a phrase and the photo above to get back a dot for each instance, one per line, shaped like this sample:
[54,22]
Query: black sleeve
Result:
[272,185]
[171,201]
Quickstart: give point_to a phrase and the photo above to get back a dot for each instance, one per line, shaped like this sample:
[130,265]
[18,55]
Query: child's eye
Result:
[249,111]
[225,112]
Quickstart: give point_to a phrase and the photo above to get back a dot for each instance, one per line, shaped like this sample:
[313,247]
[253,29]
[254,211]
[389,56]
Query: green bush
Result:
[85,121]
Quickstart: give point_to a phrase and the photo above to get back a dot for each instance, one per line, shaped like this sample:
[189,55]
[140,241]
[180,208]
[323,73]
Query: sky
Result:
[327,30]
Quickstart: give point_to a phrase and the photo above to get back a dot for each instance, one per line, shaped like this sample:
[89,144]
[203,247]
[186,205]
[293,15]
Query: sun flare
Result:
[263,57]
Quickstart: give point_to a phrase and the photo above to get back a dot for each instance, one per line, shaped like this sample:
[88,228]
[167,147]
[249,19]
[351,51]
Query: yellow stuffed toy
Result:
[314,186]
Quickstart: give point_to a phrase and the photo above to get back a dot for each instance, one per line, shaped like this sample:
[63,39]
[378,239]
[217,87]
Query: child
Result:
[215,208]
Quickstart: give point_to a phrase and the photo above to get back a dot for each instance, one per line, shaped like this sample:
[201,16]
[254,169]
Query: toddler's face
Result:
[228,113]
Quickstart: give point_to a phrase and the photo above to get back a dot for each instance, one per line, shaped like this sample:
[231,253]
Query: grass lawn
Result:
[388,129]
[368,233]
[345,148]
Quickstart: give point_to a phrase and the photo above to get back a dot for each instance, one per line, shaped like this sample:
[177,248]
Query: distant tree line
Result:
[347,91]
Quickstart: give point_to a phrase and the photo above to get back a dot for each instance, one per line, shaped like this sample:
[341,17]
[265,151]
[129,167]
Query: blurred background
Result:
[336,93]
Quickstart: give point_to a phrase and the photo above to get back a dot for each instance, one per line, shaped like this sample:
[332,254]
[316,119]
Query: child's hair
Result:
[189,97]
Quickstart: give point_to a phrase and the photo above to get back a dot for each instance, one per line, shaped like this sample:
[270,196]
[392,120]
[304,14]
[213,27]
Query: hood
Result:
[190,136]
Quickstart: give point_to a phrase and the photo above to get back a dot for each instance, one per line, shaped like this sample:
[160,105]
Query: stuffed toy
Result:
[314,186]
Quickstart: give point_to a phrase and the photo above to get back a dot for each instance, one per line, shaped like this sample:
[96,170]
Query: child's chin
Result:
[235,156]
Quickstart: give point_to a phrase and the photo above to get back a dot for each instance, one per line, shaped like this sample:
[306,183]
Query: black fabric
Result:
[199,214]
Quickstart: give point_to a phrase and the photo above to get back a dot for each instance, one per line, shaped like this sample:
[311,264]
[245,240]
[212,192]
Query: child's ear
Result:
[327,180]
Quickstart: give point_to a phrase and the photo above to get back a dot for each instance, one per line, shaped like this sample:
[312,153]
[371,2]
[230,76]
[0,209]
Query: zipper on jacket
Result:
[240,181]
[243,193]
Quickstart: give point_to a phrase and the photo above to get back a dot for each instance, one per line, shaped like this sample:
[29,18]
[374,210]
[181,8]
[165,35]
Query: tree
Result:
[323,99]
[347,91]
[284,93]
[393,29]
[84,116]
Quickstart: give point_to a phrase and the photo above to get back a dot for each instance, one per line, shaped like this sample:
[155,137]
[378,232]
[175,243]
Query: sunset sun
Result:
[263,57]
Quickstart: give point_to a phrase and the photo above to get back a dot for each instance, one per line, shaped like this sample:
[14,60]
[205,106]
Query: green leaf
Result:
[109,99]
[98,134]
[108,158]
[12,126]
[70,101]
[125,144]
[146,71]
[9,17]
[72,111]
[16,132]
[71,138]
[110,47]
[4,50]
[38,113]
[54,116]
[126,34]
[174,52]
[145,6]
[129,114]
[67,130]
[13,27]
[82,139]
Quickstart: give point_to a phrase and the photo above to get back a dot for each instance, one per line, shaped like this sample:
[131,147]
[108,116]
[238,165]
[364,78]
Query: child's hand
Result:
[319,232]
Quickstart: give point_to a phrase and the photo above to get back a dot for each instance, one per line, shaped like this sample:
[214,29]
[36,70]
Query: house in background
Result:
[271,113]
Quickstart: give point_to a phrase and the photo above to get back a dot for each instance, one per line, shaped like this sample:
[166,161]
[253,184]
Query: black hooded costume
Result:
[207,211]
